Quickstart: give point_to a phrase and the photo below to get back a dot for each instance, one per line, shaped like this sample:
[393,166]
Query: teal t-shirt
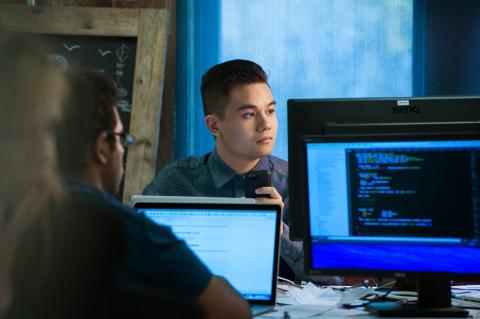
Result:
[154,258]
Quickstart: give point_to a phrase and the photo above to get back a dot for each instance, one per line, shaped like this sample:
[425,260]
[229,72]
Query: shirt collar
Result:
[222,173]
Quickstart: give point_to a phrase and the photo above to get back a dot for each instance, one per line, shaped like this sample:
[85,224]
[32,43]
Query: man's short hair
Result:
[222,78]
[88,112]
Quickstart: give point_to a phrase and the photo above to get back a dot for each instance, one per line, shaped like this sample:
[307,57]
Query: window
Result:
[309,48]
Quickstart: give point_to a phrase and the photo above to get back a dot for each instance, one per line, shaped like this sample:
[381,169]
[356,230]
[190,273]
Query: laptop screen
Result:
[238,242]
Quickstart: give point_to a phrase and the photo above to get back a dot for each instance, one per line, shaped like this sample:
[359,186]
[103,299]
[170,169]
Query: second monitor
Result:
[367,116]
[404,206]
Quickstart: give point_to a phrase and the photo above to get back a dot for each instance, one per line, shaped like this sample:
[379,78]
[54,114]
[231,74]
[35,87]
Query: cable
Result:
[380,297]
[387,284]
[374,282]
[288,281]
[377,297]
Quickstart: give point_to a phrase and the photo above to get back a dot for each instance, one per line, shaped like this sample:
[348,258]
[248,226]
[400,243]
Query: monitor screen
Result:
[401,205]
[230,239]
[366,116]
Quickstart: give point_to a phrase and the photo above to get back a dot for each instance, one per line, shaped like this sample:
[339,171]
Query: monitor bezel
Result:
[372,138]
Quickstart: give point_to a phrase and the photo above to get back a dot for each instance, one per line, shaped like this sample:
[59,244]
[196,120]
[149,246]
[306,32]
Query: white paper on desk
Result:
[313,295]
[467,287]
[286,300]
[341,312]
[284,295]
[299,311]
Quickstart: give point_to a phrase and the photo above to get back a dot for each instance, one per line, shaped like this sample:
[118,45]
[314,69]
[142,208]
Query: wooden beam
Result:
[145,117]
[70,20]
[166,145]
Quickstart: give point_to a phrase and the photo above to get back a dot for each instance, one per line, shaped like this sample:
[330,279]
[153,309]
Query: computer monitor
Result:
[403,205]
[363,116]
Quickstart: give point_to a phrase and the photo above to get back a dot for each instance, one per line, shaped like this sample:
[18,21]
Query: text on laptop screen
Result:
[395,205]
[230,242]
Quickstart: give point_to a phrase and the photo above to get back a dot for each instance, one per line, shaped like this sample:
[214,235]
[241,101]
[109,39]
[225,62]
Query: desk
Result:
[325,305]
[336,313]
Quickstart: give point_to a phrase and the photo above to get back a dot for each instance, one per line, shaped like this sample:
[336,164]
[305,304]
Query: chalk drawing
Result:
[71,48]
[60,60]
[122,53]
[124,106]
[104,53]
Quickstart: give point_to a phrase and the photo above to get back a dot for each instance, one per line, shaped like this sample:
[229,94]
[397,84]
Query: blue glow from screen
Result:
[391,257]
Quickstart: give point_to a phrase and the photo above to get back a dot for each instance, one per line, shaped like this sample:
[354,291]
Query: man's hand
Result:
[275,198]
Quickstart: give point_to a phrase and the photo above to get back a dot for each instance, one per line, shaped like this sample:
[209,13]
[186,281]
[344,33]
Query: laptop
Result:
[190,199]
[239,241]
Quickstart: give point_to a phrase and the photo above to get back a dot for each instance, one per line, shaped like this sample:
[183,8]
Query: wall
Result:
[166,146]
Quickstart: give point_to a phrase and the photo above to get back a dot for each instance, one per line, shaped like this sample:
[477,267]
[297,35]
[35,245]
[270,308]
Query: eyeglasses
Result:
[125,139]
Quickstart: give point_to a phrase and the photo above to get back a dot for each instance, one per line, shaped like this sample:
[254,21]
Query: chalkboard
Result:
[114,56]
[128,44]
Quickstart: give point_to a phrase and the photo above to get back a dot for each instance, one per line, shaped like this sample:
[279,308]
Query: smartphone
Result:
[254,180]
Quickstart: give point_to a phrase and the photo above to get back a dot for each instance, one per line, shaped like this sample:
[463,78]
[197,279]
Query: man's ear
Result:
[212,122]
[101,149]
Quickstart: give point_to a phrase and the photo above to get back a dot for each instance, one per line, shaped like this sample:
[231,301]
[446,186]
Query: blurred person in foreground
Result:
[54,263]
[57,260]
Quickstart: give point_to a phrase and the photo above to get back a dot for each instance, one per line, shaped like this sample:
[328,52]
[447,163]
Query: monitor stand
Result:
[434,300]
[403,284]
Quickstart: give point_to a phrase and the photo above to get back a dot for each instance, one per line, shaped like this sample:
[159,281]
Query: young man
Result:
[240,113]
[91,144]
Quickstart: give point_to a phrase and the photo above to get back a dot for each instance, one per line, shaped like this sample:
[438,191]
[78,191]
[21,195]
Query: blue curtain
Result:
[198,25]
[447,47]
[310,48]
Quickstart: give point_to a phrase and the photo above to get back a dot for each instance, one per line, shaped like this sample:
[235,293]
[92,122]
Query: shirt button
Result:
[286,251]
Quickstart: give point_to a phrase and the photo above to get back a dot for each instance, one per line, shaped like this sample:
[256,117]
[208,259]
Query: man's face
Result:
[249,126]
[115,168]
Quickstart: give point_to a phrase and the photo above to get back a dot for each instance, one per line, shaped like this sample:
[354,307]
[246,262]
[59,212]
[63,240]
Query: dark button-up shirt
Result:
[209,176]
